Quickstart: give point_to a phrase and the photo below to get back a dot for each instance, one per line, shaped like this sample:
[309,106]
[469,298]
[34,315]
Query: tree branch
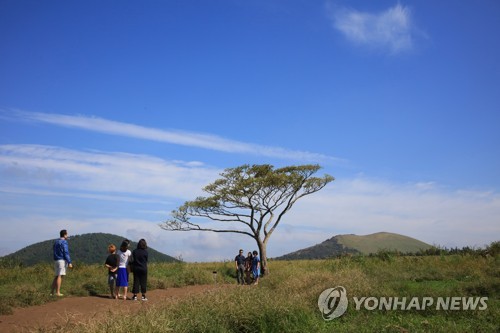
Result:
[188,226]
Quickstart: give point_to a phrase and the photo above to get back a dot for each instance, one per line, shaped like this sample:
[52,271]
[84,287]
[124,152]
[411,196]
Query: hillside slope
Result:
[382,240]
[343,244]
[87,248]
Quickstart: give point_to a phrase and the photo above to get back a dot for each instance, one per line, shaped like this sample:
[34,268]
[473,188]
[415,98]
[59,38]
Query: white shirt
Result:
[123,258]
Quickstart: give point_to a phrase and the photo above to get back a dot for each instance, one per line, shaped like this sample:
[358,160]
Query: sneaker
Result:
[144,298]
[134,298]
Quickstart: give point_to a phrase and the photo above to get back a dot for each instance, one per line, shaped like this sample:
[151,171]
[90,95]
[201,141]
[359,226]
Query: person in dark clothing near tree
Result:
[140,269]
[248,267]
[239,260]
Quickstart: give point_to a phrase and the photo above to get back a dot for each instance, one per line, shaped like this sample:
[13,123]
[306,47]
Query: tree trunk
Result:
[263,256]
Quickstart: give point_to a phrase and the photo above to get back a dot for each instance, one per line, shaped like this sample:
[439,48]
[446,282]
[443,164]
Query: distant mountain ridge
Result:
[354,244]
[86,248]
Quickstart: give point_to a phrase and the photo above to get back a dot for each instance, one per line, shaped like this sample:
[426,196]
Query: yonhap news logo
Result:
[333,303]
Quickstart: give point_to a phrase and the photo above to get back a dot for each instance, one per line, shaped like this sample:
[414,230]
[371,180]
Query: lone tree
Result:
[249,200]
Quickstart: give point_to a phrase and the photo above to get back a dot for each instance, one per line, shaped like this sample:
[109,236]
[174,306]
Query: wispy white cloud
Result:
[24,191]
[391,29]
[49,170]
[46,188]
[140,186]
[432,214]
[201,140]
[359,205]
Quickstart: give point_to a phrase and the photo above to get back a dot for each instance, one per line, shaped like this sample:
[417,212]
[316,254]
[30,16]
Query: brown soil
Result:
[71,310]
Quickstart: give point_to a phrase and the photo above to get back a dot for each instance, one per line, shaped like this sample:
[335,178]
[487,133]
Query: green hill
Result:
[382,240]
[343,244]
[87,248]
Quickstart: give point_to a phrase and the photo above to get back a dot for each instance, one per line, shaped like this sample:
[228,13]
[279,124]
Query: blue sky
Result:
[114,113]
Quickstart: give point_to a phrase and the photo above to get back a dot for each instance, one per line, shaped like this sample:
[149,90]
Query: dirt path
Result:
[71,310]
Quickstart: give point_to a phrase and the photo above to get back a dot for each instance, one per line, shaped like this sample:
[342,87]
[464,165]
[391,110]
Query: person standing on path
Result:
[112,266]
[61,261]
[239,260]
[122,277]
[140,269]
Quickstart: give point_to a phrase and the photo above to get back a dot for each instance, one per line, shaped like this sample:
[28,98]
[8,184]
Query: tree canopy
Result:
[249,200]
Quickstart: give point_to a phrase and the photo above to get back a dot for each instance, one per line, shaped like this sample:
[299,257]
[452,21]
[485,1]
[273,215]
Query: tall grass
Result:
[286,300]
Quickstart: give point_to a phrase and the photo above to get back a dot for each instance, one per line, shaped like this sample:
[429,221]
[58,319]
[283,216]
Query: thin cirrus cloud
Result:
[184,138]
[34,168]
[431,213]
[391,30]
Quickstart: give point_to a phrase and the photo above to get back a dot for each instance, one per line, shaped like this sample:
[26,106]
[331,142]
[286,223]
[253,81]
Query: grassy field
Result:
[287,299]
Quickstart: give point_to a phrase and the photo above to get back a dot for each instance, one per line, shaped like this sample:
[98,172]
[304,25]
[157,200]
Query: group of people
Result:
[118,263]
[121,262]
[247,268]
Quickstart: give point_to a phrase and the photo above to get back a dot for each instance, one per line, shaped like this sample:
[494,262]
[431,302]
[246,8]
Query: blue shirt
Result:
[255,267]
[61,251]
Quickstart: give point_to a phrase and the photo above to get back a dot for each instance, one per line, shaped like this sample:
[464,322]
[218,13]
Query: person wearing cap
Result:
[239,260]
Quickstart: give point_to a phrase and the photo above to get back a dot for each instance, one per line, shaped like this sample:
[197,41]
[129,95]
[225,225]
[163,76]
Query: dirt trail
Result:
[71,310]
